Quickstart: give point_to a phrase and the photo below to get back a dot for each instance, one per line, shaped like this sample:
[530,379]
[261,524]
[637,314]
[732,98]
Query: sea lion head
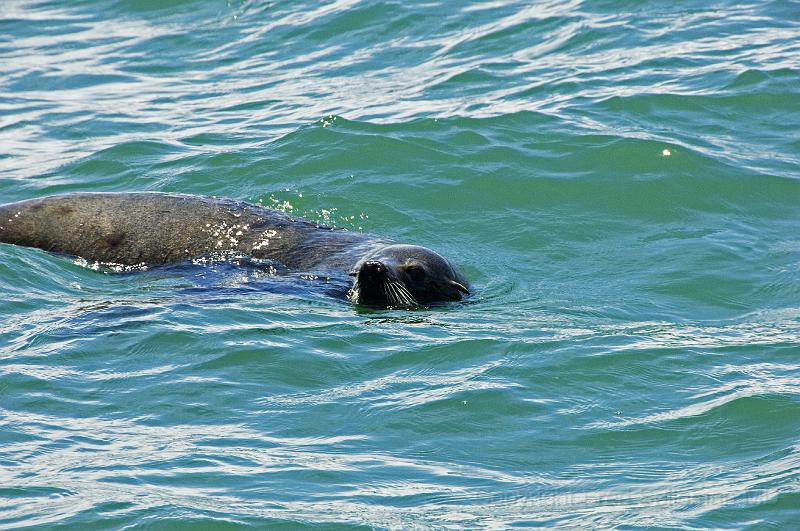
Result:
[405,276]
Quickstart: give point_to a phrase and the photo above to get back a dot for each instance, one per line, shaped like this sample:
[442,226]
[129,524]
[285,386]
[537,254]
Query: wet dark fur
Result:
[135,229]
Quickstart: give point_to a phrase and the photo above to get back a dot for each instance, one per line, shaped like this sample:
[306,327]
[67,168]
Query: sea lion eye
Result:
[416,272]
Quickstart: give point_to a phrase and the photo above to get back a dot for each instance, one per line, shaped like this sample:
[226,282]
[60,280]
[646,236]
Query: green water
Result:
[620,180]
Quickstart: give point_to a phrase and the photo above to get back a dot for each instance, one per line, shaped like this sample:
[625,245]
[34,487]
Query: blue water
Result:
[620,180]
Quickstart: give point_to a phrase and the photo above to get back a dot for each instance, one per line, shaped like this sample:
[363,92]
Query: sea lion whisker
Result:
[397,294]
[389,292]
[404,290]
[407,297]
[403,294]
[386,291]
[354,293]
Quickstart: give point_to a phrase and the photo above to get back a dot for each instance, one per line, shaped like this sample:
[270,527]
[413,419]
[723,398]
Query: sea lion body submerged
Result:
[135,229]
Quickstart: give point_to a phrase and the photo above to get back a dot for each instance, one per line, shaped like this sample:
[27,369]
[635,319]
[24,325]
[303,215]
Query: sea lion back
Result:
[129,228]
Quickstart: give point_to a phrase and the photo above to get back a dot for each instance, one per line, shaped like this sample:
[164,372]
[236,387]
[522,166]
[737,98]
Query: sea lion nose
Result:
[372,268]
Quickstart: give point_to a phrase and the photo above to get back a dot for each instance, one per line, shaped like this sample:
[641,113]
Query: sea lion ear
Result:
[460,287]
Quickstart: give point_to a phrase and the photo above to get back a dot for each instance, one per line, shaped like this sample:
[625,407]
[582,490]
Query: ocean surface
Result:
[619,179]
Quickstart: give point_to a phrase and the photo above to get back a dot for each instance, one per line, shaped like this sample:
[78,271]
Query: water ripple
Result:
[618,180]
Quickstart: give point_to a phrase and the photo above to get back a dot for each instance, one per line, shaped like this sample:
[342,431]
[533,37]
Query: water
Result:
[618,179]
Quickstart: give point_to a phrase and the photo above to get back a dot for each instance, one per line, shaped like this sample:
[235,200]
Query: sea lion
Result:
[150,229]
